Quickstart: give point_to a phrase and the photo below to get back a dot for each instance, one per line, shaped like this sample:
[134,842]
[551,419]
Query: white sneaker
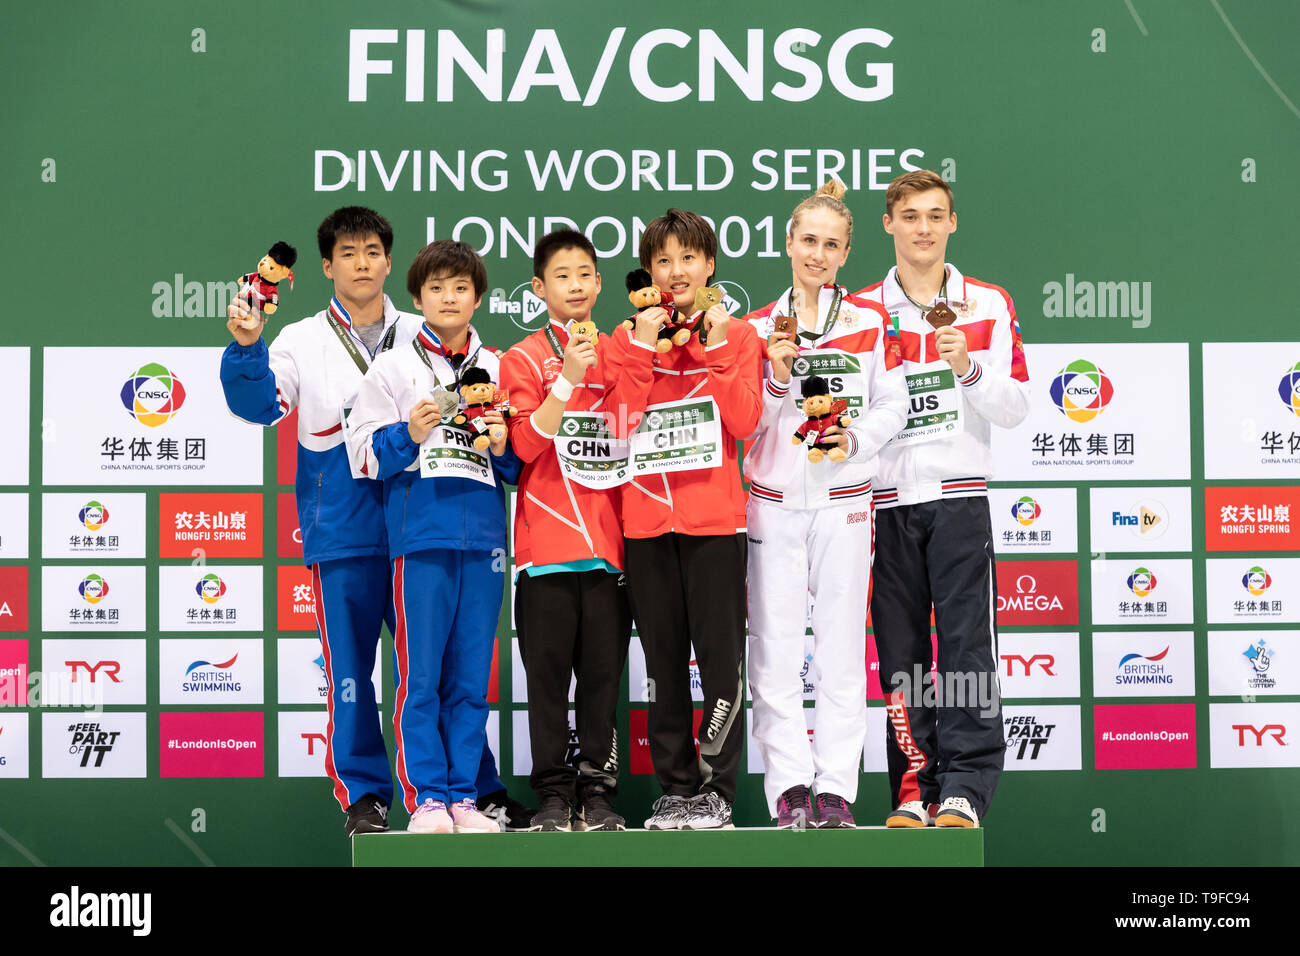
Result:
[669,812]
[956,812]
[708,811]
[468,818]
[910,813]
[430,817]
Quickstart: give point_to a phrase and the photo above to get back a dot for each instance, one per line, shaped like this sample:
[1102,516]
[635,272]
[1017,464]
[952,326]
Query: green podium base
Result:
[865,846]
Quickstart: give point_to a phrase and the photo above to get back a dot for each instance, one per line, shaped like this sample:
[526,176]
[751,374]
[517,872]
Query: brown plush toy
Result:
[822,412]
[259,290]
[644,294]
[480,397]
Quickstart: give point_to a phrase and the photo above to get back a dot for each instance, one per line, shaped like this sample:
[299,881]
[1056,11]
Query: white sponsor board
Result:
[111,671]
[755,761]
[873,751]
[1252,589]
[143,415]
[1253,663]
[1252,409]
[300,670]
[1142,591]
[223,597]
[1140,519]
[105,597]
[1038,665]
[14,746]
[1144,664]
[1100,412]
[93,524]
[639,688]
[1034,520]
[15,398]
[13,527]
[302,743]
[210,671]
[1042,737]
[1263,734]
[84,744]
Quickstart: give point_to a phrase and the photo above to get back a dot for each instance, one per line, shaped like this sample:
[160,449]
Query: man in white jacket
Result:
[965,368]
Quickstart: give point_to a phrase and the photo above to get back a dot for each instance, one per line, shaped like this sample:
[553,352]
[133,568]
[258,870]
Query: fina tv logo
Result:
[1149,519]
[153,395]
[1289,389]
[1142,582]
[210,588]
[93,588]
[1026,511]
[1257,581]
[736,299]
[1081,391]
[525,309]
[94,516]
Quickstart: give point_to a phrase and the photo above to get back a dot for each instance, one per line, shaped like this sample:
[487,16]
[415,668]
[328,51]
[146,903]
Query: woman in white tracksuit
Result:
[810,524]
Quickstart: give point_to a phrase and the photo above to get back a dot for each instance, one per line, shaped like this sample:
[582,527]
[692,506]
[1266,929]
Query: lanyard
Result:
[348,344]
[942,296]
[554,340]
[421,351]
[833,315]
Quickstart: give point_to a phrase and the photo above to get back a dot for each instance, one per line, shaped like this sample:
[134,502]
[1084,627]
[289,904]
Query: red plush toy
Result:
[259,290]
[481,397]
[823,412]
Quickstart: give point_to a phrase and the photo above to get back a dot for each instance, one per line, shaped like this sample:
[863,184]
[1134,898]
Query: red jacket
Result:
[704,501]
[556,520]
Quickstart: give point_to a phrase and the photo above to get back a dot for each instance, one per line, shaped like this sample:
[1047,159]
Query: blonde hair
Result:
[829,196]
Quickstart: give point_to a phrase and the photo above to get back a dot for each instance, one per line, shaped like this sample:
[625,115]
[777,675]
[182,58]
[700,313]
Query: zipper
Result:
[320,493]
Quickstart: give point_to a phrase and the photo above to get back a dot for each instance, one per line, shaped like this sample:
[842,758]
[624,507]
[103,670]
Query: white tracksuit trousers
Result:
[824,556]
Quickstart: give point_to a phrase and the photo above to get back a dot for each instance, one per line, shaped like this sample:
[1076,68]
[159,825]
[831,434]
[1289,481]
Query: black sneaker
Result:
[555,815]
[367,815]
[597,813]
[511,814]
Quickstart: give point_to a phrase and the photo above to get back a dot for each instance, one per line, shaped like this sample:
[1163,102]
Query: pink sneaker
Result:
[469,819]
[431,817]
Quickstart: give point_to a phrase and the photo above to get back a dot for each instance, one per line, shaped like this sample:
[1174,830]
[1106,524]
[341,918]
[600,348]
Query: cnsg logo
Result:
[1026,510]
[1027,597]
[1256,581]
[1081,391]
[93,588]
[210,588]
[1141,582]
[153,395]
[525,309]
[1289,389]
[94,516]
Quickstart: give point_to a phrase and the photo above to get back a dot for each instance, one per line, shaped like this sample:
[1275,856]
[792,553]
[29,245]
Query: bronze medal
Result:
[940,315]
[784,323]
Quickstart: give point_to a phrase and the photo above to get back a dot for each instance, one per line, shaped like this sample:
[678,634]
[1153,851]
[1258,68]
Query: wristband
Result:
[562,389]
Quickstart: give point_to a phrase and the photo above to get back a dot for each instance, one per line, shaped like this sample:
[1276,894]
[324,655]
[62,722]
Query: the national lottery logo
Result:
[1141,582]
[93,588]
[1257,581]
[1289,389]
[94,516]
[525,309]
[153,395]
[1026,510]
[1081,391]
[1259,655]
[210,588]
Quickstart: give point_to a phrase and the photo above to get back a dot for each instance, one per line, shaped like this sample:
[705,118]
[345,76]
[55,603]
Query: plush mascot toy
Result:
[259,290]
[481,396]
[644,294]
[822,412]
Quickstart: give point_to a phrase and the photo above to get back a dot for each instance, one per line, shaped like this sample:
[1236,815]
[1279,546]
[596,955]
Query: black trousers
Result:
[944,734]
[573,623]
[691,589]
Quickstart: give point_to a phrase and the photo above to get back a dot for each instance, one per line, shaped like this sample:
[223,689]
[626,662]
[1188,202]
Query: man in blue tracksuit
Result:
[316,365]
[418,414]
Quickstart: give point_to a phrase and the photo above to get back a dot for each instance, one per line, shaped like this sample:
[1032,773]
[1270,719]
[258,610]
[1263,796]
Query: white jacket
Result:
[994,391]
[778,470]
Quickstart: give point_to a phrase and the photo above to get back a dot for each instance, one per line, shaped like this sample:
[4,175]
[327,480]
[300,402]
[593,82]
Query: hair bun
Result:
[833,188]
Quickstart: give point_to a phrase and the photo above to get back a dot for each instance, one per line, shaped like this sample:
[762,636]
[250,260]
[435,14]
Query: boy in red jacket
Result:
[684,518]
[570,598]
